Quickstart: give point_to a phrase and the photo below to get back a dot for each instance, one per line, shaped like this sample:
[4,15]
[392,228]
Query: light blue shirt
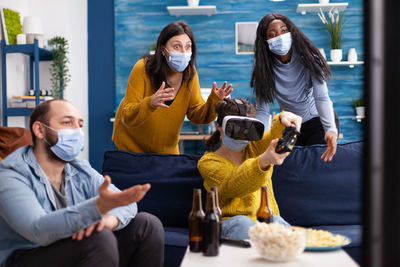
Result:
[298,92]
[28,215]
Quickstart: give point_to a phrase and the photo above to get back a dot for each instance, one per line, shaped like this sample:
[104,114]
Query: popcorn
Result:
[277,242]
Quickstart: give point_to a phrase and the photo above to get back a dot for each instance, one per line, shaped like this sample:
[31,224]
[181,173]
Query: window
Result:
[245,36]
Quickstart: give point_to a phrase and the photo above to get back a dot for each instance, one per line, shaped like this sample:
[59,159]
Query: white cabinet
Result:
[304,8]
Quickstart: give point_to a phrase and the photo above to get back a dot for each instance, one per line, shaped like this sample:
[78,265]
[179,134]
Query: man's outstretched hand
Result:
[109,199]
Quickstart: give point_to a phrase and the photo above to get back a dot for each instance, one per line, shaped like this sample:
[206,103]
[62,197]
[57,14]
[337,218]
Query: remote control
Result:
[235,242]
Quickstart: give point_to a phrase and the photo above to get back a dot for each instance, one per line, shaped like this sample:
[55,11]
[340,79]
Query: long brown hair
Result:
[263,77]
[156,65]
[224,108]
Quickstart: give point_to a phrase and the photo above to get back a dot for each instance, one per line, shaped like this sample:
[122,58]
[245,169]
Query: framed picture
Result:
[3,29]
[11,25]
[245,36]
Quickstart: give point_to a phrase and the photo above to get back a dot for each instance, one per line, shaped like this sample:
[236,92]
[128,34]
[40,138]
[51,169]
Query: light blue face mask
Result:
[235,145]
[70,143]
[178,61]
[280,45]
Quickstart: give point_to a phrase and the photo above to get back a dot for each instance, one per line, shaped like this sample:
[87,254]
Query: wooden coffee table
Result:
[235,256]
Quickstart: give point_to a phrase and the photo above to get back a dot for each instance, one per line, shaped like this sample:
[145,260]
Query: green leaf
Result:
[59,71]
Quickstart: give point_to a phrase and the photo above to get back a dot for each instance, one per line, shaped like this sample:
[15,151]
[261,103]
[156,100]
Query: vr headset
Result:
[242,127]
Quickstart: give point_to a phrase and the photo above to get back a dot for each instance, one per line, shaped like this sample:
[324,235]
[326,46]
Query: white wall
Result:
[67,18]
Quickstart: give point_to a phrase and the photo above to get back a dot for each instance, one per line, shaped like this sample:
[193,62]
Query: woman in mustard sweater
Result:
[161,90]
[239,168]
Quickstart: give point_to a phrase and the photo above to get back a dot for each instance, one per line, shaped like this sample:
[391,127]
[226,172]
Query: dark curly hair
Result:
[263,76]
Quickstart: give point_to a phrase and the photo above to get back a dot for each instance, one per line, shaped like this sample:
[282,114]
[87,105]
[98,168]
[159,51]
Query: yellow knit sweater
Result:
[239,186]
[141,127]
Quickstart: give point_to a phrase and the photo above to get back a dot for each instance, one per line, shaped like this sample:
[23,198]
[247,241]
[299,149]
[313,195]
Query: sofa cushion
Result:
[312,192]
[176,236]
[172,179]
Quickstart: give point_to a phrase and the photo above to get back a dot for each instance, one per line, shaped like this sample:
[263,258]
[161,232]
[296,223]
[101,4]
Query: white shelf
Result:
[358,118]
[191,11]
[345,63]
[304,8]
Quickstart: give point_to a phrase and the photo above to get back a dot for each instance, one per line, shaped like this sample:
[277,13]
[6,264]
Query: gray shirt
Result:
[59,195]
[301,94]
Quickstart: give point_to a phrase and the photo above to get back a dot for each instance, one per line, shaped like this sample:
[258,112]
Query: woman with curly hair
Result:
[288,67]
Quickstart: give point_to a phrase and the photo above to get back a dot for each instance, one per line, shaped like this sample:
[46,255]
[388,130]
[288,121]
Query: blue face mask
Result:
[235,145]
[70,143]
[178,61]
[280,45]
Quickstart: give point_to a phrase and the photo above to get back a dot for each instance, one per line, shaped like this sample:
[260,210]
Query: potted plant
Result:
[59,71]
[193,3]
[359,106]
[334,25]
[153,49]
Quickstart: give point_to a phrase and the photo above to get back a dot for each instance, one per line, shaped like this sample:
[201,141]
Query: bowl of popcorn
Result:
[276,242]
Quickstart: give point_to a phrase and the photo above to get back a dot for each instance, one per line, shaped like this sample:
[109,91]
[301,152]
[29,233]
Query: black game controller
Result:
[289,137]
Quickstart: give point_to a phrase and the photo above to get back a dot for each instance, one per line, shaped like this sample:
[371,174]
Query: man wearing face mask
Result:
[58,211]
[289,68]
[243,163]
[161,90]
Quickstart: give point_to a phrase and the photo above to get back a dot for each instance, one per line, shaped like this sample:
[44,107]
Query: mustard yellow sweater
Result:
[141,127]
[239,187]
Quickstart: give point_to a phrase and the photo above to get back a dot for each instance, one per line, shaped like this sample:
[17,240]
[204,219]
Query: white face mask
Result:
[235,145]
[178,61]
[280,45]
[70,143]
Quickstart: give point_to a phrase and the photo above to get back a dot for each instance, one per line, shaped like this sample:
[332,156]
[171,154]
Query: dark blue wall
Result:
[101,78]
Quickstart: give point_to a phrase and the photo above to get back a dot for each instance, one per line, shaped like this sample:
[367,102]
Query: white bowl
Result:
[276,242]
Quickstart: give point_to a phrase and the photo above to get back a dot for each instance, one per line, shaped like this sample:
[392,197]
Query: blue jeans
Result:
[238,226]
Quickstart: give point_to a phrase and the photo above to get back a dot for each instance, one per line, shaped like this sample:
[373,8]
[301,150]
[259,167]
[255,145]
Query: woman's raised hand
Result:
[163,94]
[222,92]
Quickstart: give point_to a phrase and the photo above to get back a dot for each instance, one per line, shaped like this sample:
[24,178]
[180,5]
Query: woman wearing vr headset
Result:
[243,163]
[289,68]
[161,90]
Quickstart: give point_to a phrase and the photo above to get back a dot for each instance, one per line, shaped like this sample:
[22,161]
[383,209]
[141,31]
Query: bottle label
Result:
[196,239]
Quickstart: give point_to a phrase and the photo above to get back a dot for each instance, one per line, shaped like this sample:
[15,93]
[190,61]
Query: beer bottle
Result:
[196,217]
[219,212]
[264,213]
[211,227]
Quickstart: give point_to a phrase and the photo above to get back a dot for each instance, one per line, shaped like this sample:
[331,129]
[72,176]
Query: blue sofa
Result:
[309,191]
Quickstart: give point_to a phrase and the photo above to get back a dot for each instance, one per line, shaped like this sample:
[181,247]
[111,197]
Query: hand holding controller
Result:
[288,139]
